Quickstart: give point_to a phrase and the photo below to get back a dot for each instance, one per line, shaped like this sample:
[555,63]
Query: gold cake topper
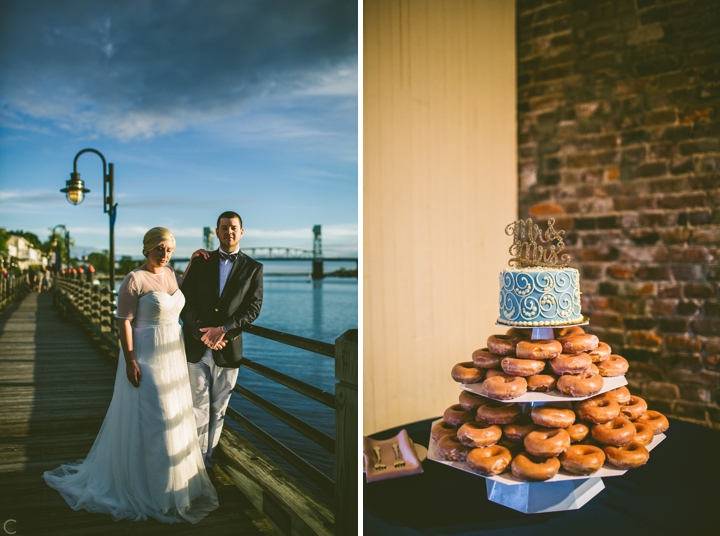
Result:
[527,248]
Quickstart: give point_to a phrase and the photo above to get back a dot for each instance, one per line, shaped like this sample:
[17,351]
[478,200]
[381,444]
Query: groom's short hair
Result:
[229,214]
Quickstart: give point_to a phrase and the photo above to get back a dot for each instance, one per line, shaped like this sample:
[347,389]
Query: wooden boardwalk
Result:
[55,387]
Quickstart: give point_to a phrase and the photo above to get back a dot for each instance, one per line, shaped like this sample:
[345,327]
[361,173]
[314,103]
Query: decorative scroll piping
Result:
[540,297]
[528,250]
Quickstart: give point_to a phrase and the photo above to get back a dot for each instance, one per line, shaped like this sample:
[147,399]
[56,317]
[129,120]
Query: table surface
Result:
[676,492]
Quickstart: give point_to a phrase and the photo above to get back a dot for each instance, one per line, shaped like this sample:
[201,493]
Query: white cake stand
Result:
[564,491]
[540,497]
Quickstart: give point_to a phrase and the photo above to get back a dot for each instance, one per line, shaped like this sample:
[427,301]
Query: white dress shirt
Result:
[225,267]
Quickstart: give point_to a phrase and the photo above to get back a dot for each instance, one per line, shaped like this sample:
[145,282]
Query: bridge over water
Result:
[269,253]
[275,254]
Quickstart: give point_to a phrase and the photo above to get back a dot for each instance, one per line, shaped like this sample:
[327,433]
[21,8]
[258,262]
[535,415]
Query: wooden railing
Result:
[11,289]
[95,305]
[314,516]
[288,504]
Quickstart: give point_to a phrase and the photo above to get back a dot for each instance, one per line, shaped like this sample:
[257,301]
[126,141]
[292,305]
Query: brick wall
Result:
[619,141]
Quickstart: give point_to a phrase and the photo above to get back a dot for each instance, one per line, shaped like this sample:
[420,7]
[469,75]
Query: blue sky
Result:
[203,106]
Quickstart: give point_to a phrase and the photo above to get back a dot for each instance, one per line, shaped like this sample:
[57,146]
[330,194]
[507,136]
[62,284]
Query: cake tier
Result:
[540,297]
[607,470]
[537,397]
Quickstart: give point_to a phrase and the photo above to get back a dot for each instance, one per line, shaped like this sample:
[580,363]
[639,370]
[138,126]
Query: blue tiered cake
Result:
[540,297]
[540,290]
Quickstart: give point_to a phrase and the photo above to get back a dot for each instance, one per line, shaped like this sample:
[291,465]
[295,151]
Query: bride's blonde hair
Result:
[154,237]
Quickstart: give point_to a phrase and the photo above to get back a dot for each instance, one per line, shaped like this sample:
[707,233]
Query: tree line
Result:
[99,260]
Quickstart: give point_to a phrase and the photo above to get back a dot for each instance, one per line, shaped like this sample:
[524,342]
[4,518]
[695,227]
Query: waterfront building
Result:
[21,253]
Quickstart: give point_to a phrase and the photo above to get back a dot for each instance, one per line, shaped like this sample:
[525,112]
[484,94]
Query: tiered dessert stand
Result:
[562,492]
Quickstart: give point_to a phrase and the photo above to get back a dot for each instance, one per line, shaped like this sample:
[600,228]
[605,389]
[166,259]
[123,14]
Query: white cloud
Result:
[339,81]
[137,69]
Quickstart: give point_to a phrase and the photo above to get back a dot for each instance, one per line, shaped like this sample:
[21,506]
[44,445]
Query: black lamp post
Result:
[58,249]
[67,246]
[75,192]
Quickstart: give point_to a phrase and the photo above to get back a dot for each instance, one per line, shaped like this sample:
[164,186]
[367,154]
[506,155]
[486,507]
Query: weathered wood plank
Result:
[346,426]
[287,503]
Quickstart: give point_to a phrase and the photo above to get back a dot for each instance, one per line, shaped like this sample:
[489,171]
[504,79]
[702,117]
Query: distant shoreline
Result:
[345,275]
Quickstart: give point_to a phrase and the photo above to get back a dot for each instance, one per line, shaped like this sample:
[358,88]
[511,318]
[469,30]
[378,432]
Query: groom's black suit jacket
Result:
[238,305]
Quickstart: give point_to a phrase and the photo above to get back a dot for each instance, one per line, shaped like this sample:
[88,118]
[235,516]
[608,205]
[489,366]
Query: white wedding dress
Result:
[146,460]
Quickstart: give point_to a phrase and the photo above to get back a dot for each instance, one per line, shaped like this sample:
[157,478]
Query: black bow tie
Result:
[232,257]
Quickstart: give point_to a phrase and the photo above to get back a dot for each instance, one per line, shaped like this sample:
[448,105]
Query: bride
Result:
[146,460]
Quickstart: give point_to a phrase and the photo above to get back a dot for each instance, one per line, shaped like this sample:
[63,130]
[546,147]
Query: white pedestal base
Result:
[539,334]
[537,497]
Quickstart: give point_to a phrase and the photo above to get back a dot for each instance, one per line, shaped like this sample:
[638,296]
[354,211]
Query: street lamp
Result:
[75,192]
[58,250]
[75,189]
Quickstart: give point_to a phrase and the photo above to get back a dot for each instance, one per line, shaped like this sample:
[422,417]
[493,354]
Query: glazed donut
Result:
[621,395]
[601,353]
[655,420]
[543,349]
[618,432]
[456,415]
[449,448]
[531,468]
[496,413]
[577,432]
[592,369]
[597,410]
[573,344]
[467,373]
[521,334]
[441,429]
[522,367]
[471,401]
[479,434]
[505,388]
[582,459]
[491,373]
[566,332]
[585,384]
[552,416]
[629,456]
[541,383]
[515,447]
[547,442]
[615,365]
[517,432]
[483,359]
[570,363]
[635,408]
[643,433]
[502,344]
[489,461]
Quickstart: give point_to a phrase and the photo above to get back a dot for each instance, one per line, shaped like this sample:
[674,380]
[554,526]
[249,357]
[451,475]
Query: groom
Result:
[223,294]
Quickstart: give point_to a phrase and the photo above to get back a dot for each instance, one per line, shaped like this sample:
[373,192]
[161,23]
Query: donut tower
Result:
[544,400]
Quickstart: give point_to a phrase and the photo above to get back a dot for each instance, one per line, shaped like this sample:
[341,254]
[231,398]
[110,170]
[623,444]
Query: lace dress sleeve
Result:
[128,295]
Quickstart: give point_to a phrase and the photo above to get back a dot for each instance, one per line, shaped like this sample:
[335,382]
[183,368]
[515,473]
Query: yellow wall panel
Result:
[439,187]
